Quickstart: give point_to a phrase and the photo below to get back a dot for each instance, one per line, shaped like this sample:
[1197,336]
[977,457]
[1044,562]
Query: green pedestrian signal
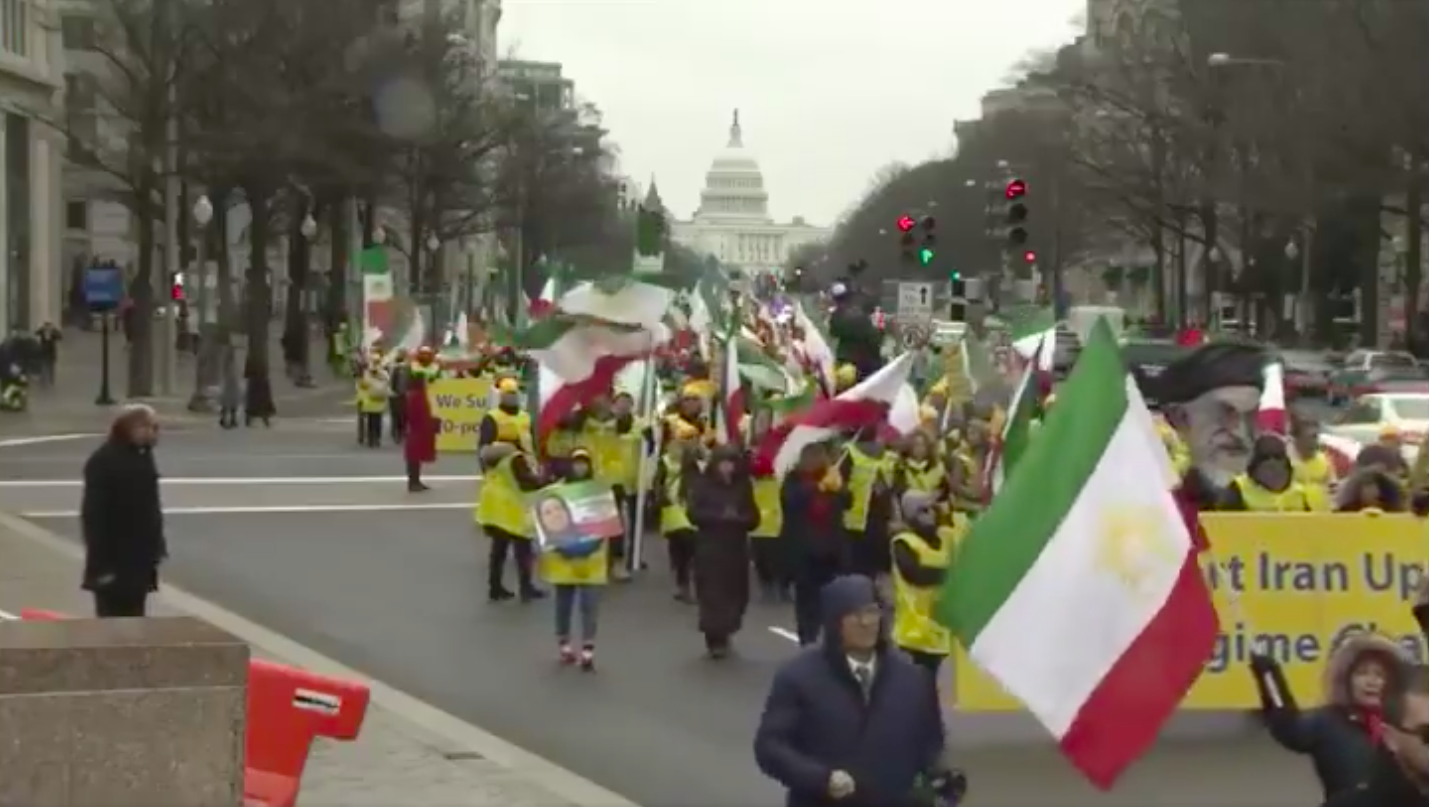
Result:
[925,256]
[955,275]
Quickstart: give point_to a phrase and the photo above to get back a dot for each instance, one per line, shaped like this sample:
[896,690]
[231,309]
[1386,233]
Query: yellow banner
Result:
[1303,581]
[460,405]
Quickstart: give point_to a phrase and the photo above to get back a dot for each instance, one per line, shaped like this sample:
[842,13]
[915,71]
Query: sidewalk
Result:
[409,753]
[69,405]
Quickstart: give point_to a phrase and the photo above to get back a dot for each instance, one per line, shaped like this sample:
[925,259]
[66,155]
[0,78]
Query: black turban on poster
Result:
[1211,367]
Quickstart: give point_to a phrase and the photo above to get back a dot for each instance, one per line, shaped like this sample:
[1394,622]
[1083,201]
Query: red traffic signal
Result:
[1030,256]
[906,223]
[1016,189]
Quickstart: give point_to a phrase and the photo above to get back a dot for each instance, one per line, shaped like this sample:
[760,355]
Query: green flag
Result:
[373,261]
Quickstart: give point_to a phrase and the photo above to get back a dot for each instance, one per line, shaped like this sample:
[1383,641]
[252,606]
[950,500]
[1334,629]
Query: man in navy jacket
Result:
[851,721]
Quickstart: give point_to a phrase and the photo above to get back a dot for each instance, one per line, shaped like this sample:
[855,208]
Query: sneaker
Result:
[568,653]
[588,658]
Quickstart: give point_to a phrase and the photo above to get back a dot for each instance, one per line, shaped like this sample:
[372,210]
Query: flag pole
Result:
[634,555]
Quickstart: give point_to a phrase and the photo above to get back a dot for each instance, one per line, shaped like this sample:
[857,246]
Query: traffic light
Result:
[1015,193]
[930,240]
[907,241]
[1029,256]
[176,289]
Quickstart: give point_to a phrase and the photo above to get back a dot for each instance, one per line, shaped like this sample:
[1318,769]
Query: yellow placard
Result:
[460,405]
[1303,581]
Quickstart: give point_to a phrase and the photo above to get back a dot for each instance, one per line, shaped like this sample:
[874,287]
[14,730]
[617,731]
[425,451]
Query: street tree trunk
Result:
[259,291]
[295,319]
[334,307]
[140,317]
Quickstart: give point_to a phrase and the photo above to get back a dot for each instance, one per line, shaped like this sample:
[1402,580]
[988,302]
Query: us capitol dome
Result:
[732,223]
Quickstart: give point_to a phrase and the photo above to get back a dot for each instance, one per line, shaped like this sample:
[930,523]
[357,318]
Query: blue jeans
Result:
[568,597]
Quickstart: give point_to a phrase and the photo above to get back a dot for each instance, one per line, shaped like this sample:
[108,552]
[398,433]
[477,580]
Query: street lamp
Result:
[203,216]
[433,243]
[379,235]
[309,227]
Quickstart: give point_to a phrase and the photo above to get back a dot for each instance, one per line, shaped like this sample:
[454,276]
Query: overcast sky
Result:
[828,90]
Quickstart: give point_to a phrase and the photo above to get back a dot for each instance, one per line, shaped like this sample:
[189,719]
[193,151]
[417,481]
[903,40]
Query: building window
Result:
[77,32]
[13,33]
[81,114]
[76,215]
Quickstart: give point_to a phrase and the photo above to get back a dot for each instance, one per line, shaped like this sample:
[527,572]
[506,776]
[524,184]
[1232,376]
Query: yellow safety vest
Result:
[924,476]
[617,456]
[1315,474]
[673,516]
[368,402]
[864,472]
[1260,500]
[771,508]
[914,627]
[562,442]
[972,471]
[502,503]
[515,429]
[588,570]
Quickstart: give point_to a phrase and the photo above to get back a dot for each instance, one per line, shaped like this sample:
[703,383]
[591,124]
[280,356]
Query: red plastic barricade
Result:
[287,709]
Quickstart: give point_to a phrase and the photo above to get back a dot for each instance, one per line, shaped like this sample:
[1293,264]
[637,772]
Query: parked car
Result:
[1307,373]
[1366,416]
[1363,369]
[1346,386]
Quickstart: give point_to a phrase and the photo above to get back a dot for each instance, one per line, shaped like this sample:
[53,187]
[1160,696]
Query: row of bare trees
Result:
[1266,146]
[303,113]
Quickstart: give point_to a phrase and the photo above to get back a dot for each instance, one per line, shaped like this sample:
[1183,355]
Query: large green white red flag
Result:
[1078,589]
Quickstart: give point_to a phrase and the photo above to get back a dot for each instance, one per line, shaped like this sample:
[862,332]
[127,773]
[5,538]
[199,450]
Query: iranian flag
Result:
[1030,328]
[883,399]
[1087,533]
[815,349]
[731,406]
[1270,416]
[579,359]
[1025,409]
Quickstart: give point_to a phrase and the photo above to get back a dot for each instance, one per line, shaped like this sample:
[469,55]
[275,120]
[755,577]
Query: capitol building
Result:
[732,223]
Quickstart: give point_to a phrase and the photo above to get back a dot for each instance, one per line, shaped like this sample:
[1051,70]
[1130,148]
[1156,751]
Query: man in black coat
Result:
[852,721]
[857,341]
[122,518]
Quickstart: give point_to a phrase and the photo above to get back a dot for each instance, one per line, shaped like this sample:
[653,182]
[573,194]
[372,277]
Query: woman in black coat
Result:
[258,398]
[722,508]
[122,518]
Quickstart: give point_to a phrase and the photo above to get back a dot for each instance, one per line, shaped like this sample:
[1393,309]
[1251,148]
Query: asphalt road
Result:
[400,594]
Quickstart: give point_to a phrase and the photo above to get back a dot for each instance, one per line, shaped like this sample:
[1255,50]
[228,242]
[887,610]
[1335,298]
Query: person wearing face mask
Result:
[922,551]
[1210,397]
[723,511]
[852,721]
[1268,484]
[507,422]
[1340,737]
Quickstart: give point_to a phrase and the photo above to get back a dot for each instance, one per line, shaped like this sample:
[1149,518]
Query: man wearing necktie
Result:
[852,721]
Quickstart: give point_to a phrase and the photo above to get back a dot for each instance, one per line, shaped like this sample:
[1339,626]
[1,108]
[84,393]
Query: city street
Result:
[395,586]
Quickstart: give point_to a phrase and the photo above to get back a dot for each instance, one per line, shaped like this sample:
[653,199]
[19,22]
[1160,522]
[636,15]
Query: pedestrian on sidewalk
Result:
[230,394]
[258,398]
[49,338]
[121,517]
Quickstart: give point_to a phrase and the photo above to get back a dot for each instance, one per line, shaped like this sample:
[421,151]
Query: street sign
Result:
[103,286]
[915,301]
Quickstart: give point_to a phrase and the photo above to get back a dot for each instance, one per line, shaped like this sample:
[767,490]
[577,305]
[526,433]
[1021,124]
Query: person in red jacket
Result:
[420,445]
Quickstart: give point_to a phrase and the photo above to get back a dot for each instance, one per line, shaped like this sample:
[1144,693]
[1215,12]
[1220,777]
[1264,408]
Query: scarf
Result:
[1373,720]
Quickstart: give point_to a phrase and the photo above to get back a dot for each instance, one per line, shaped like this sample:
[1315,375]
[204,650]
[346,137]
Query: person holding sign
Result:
[572,520]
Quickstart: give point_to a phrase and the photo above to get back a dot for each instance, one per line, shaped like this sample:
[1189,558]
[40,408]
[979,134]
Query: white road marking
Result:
[7,615]
[277,509]
[784,633]
[15,442]
[248,480]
